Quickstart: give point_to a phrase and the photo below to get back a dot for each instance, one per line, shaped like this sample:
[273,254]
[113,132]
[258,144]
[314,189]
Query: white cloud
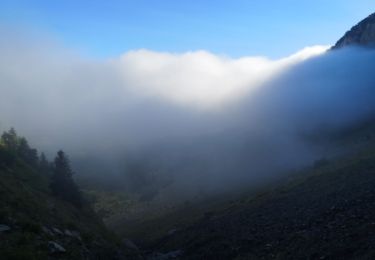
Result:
[201,79]
[46,88]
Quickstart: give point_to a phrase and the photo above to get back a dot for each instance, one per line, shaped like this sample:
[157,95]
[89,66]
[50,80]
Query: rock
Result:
[76,234]
[47,231]
[170,255]
[362,34]
[130,244]
[4,228]
[55,248]
[57,231]
[172,231]
[68,232]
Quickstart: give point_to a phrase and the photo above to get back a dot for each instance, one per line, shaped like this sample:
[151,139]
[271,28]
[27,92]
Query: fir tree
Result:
[10,140]
[62,184]
[26,153]
[44,165]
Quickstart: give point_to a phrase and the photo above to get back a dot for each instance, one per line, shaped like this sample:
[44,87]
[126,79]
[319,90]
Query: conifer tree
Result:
[26,153]
[44,165]
[10,140]
[62,184]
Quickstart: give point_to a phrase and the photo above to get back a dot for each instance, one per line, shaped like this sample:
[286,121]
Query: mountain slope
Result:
[327,212]
[362,34]
[34,224]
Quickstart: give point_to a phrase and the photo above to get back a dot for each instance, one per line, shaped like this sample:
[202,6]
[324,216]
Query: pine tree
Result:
[10,140]
[26,153]
[8,148]
[62,184]
[44,165]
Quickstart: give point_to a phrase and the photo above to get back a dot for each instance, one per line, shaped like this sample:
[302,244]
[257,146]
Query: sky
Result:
[236,28]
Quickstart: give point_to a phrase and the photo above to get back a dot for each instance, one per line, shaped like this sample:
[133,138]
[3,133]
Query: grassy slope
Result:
[26,206]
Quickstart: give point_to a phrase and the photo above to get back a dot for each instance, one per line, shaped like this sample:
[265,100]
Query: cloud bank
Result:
[51,90]
[202,79]
[199,117]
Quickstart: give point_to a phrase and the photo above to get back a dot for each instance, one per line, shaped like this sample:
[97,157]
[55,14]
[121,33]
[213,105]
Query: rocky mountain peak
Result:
[362,34]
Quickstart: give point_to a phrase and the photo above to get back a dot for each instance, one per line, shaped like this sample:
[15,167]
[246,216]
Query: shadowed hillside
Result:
[38,222]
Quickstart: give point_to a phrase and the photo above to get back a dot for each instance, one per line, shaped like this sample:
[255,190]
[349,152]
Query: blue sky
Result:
[234,28]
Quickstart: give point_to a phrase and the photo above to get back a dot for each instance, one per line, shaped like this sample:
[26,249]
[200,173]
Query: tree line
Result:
[15,148]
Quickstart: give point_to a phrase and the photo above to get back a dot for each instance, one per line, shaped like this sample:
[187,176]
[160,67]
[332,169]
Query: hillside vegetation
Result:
[36,222]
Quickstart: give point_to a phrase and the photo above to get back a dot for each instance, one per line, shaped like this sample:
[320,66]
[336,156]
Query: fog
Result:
[194,121]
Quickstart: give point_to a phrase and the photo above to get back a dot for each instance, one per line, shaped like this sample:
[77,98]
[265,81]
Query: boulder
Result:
[165,256]
[55,248]
[47,231]
[57,231]
[130,244]
[68,232]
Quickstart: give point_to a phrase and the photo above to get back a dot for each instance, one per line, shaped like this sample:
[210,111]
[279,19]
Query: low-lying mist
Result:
[187,123]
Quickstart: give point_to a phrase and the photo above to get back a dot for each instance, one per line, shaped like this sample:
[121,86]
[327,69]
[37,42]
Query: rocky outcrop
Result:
[362,34]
